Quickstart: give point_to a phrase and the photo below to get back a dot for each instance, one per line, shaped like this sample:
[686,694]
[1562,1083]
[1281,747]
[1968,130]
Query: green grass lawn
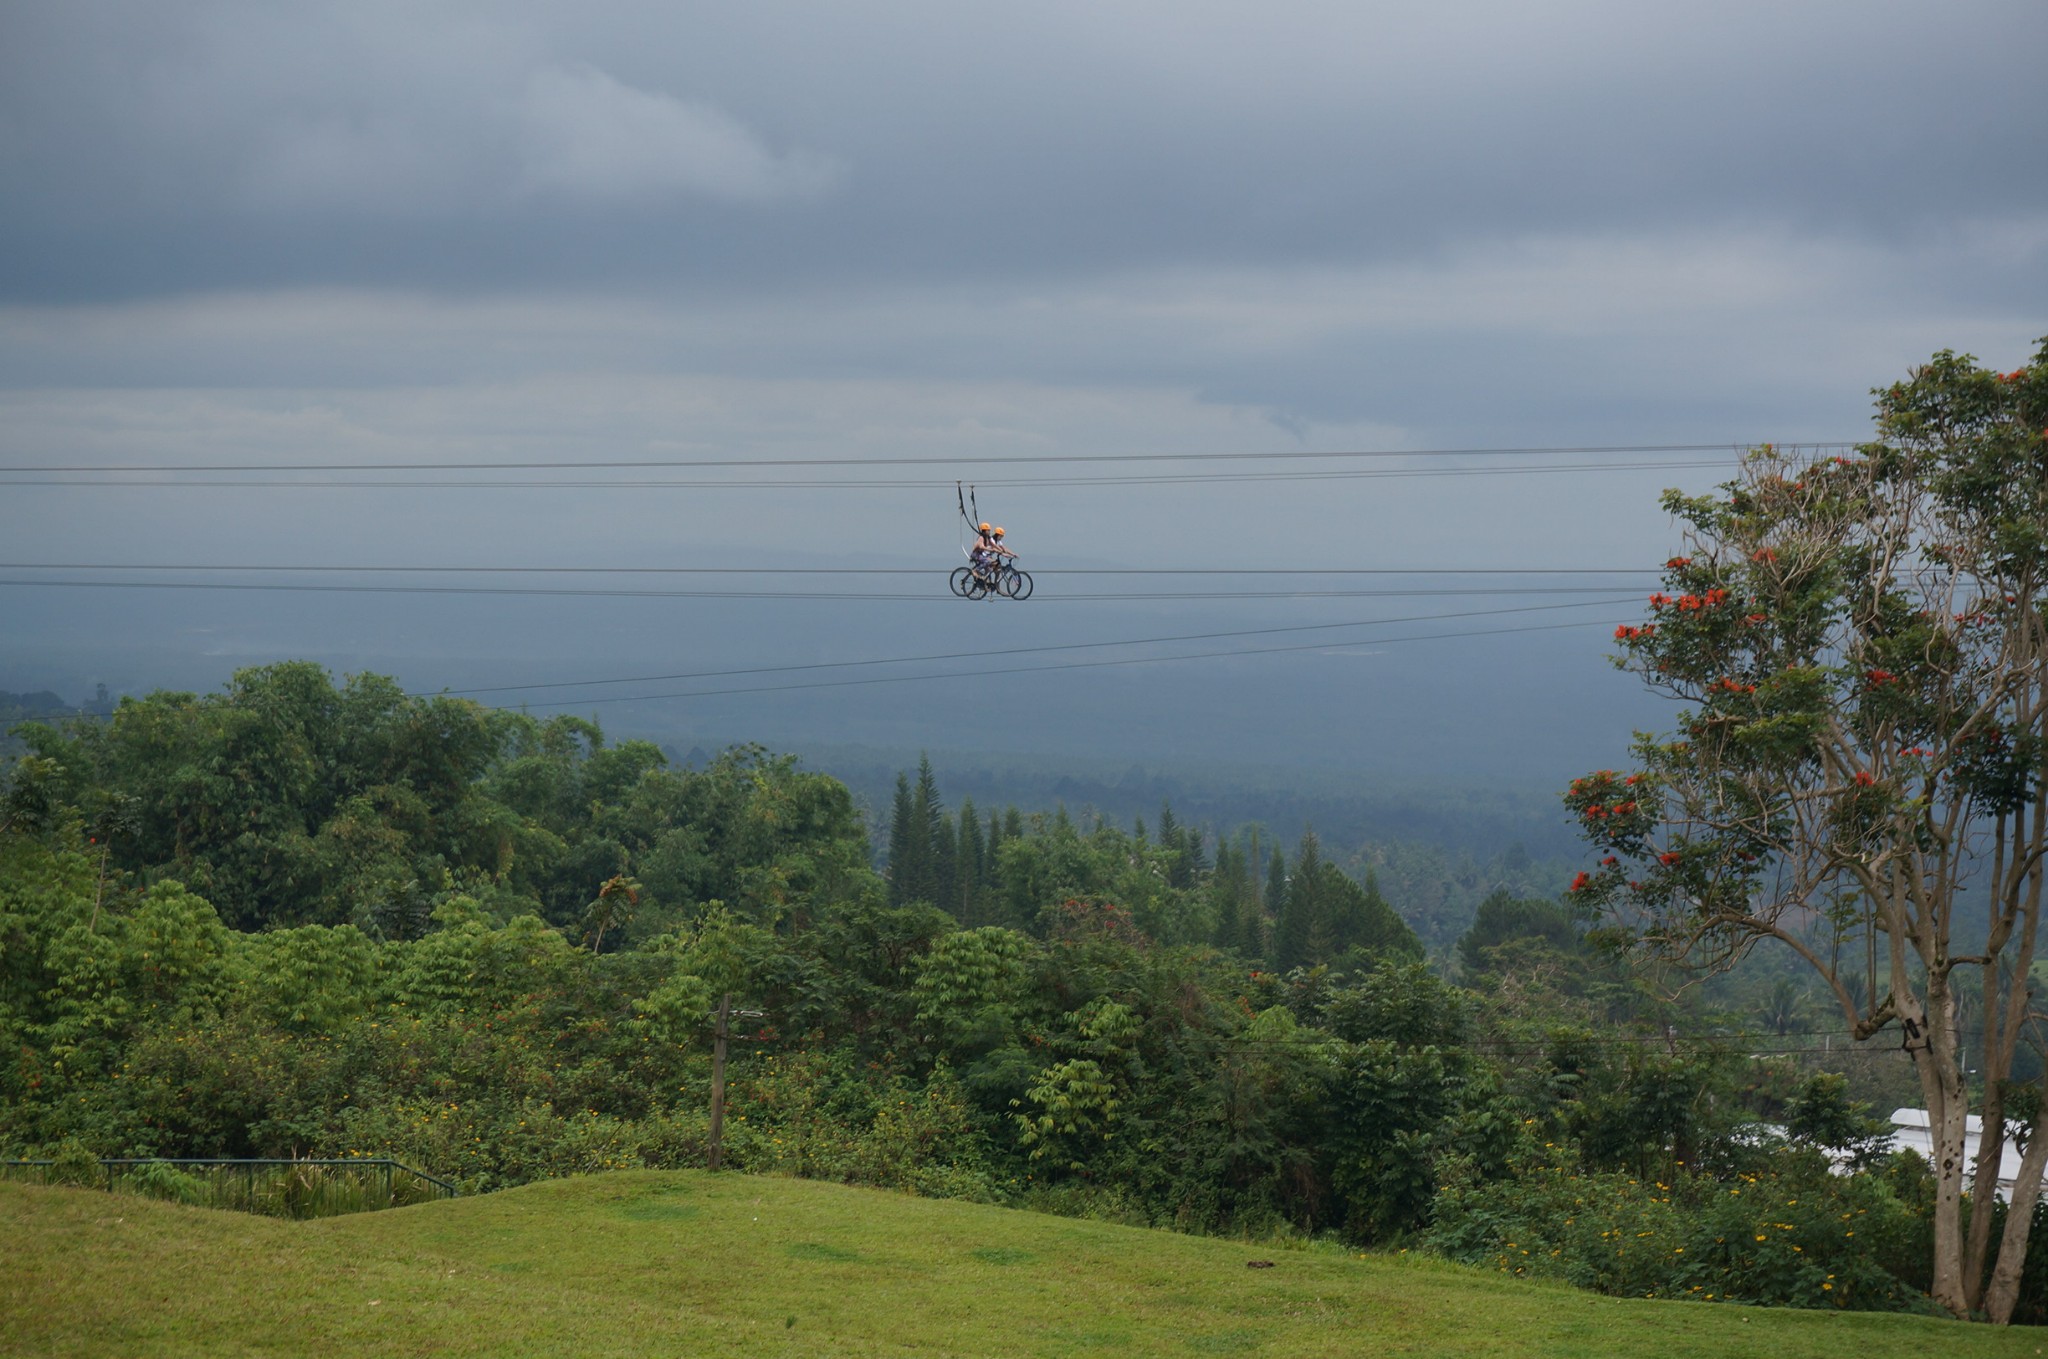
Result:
[671,1263]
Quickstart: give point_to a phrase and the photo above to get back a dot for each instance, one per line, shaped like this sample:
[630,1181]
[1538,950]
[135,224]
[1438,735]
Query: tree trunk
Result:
[1948,1111]
[716,1152]
[1983,1189]
[2004,1293]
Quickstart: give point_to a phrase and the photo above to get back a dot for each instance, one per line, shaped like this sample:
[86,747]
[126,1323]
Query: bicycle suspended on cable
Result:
[990,570]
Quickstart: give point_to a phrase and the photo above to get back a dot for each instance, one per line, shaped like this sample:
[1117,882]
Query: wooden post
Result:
[718,1081]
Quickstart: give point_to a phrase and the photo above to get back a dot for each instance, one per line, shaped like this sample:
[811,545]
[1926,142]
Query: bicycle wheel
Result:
[977,588]
[961,576]
[1017,584]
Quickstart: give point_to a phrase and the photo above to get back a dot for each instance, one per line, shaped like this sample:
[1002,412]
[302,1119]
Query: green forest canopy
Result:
[306,918]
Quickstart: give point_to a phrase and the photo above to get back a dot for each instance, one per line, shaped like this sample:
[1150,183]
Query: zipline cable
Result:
[854,570]
[593,701]
[1017,651]
[951,460]
[868,484]
[870,596]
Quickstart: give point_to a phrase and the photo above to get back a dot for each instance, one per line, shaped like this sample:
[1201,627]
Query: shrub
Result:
[74,1163]
[162,1180]
[1791,1240]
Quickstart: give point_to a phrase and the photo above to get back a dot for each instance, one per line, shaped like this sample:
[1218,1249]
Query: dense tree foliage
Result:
[1864,645]
[491,946]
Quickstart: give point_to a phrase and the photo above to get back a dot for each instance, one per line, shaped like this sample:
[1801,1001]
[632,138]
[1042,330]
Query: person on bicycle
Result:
[988,551]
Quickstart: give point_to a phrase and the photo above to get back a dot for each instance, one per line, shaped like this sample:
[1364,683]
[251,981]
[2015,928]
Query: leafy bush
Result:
[162,1180]
[1796,1238]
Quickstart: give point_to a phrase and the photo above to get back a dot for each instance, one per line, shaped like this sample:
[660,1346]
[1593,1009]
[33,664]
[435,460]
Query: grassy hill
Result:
[660,1263]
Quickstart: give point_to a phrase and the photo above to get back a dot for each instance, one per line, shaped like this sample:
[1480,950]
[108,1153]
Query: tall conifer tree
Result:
[1296,923]
[1275,902]
[900,852]
[970,870]
[928,814]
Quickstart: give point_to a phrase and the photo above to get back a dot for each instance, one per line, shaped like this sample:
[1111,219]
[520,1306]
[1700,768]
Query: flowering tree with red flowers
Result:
[1862,646]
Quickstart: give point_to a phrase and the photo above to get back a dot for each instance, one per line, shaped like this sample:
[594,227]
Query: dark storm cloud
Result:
[147,149]
[481,230]
[410,231]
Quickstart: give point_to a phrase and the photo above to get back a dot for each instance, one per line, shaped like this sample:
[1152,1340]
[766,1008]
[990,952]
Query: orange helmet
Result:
[984,528]
[999,533]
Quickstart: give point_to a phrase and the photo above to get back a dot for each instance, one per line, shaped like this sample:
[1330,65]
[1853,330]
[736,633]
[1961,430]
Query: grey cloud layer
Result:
[1129,227]
[437,230]
[148,148]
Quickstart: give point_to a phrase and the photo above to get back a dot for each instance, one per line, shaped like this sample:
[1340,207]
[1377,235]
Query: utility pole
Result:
[718,1081]
[718,1041]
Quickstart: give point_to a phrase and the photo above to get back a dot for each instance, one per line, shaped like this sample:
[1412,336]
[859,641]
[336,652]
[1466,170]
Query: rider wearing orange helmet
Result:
[988,549]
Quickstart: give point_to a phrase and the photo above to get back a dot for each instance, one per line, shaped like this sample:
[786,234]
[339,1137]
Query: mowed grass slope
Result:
[660,1263]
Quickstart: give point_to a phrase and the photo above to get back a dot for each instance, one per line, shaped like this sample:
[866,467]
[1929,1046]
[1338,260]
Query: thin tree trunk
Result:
[2004,1293]
[1948,1133]
[716,1156]
[1984,1183]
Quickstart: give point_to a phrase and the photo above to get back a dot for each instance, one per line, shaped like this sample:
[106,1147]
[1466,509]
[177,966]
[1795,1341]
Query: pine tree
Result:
[1230,892]
[1173,840]
[930,839]
[1274,904]
[1194,851]
[971,873]
[1297,925]
[900,853]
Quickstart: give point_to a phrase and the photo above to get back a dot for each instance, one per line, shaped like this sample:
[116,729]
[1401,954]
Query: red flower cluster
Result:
[1678,563]
[1756,618]
[1690,603]
[1596,811]
[2014,376]
[1669,857]
[1763,554]
[1879,678]
[1625,633]
[1733,686]
[1865,779]
[1916,750]
[1579,883]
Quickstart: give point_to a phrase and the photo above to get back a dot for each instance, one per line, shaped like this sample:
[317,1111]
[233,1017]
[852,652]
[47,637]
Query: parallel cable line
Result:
[951,460]
[1028,650]
[858,570]
[935,596]
[1040,669]
[811,484]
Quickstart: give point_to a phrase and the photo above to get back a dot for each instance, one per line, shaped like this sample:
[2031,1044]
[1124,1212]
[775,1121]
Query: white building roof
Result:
[1913,1128]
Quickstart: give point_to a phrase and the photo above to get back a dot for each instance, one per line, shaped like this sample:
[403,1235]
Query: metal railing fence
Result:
[271,1186]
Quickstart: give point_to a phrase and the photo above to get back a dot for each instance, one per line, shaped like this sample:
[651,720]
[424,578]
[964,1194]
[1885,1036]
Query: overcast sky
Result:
[444,231]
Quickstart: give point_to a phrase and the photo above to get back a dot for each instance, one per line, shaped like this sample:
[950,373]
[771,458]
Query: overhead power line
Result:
[1023,650]
[935,595]
[857,570]
[154,480]
[593,701]
[951,460]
